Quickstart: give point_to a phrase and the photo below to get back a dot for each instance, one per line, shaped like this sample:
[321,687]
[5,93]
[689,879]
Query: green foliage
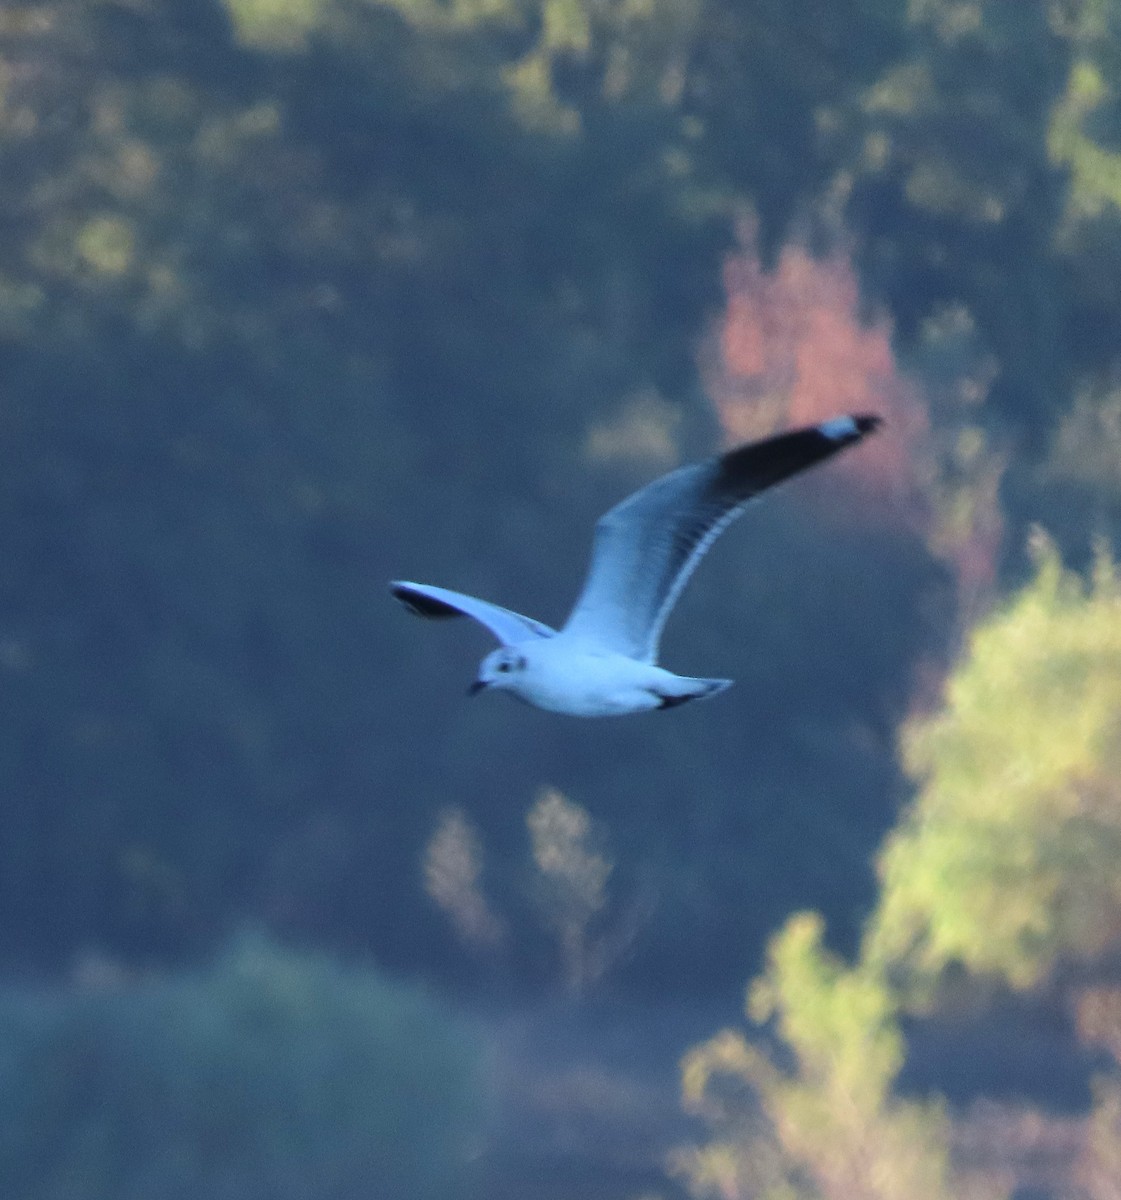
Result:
[1096,171]
[270,1075]
[957,197]
[1087,445]
[838,1022]
[1084,126]
[275,24]
[1006,862]
[1084,137]
[819,1121]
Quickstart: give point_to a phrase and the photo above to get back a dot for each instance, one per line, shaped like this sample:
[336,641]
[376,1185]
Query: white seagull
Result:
[602,663]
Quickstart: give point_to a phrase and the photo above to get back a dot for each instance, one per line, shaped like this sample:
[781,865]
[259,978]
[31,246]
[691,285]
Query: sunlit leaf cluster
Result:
[1007,861]
[820,1121]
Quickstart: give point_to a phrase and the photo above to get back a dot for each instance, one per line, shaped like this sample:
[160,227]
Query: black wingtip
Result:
[867,423]
[421,605]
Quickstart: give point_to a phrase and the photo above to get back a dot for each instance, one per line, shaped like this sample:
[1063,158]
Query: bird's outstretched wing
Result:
[426,600]
[646,547]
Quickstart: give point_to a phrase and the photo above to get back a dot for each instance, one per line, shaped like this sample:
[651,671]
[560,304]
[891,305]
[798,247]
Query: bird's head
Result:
[500,669]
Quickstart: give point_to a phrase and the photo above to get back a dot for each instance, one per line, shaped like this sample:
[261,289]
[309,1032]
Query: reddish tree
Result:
[792,349]
[795,346]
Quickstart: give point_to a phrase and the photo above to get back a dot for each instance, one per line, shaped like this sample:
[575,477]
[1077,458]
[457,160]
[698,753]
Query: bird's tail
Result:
[692,689]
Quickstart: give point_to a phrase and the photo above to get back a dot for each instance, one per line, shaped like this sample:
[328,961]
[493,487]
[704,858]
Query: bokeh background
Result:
[299,296]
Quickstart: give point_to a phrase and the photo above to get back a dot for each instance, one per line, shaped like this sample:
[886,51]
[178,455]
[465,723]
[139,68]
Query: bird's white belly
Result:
[590,684]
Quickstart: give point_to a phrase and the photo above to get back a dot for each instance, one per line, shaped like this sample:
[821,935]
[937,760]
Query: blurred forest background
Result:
[298,296]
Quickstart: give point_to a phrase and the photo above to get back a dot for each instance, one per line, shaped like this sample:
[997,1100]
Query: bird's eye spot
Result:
[503,666]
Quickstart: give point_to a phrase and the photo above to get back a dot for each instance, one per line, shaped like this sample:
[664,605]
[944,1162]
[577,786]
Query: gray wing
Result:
[646,547]
[426,600]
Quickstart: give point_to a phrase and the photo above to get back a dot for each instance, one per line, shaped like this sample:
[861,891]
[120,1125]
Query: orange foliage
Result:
[795,346]
[792,349]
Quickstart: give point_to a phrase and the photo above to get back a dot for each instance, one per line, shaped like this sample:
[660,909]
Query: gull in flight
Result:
[602,662]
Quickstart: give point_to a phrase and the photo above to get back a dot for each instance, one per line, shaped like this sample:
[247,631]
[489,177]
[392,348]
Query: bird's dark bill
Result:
[476,687]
